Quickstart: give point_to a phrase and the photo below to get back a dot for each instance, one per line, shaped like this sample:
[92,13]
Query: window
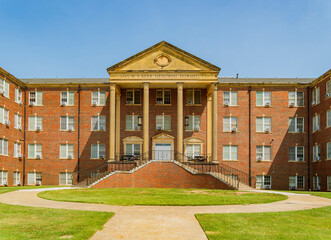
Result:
[193,150]
[316,183]
[296,182]
[98,150]
[99,98]
[328,150]
[230,98]
[132,149]
[193,96]
[328,183]
[18,121]
[34,178]
[263,98]
[133,122]
[4,116]
[18,96]
[296,124]
[17,150]
[67,98]
[67,123]
[36,98]
[230,124]
[35,150]
[3,147]
[316,153]
[193,123]
[163,96]
[296,153]
[66,178]
[316,123]
[4,88]
[263,153]
[98,123]
[163,122]
[133,96]
[17,178]
[263,124]
[295,98]
[263,181]
[35,123]
[230,152]
[3,177]
[315,96]
[328,118]
[328,89]
[66,151]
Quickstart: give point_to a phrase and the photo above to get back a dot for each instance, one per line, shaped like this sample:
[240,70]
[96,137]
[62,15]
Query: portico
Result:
[163,95]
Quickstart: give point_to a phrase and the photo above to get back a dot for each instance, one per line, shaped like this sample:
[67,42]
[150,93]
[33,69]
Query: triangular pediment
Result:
[163,57]
[162,136]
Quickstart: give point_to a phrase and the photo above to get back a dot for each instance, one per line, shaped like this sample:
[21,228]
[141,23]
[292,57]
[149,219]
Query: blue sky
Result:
[69,38]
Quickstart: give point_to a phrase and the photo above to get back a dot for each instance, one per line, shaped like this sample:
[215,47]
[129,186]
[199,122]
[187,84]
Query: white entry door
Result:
[162,151]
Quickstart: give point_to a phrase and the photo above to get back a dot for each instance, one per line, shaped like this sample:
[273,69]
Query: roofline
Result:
[212,66]
[11,77]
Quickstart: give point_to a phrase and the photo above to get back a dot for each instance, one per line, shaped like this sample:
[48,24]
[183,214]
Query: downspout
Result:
[78,135]
[308,134]
[249,137]
[24,135]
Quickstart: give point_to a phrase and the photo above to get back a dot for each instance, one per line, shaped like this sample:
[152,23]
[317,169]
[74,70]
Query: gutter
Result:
[24,135]
[249,137]
[308,131]
[78,135]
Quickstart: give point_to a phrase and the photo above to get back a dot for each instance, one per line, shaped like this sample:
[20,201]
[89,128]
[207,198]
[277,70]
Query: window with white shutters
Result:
[316,123]
[35,151]
[34,178]
[230,124]
[230,98]
[67,98]
[17,150]
[35,123]
[66,151]
[263,153]
[3,178]
[263,98]
[36,98]
[3,147]
[98,98]
[98,123]
[295,99]
[18,121]
[315,96]
[230,152]
[18,96]
[67,123]
[263,124]
[316,153]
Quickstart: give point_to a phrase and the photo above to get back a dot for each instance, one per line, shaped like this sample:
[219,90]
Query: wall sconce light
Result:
[186,121]
[139,121]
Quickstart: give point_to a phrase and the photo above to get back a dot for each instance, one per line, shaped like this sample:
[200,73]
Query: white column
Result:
[179,121]
[146,121]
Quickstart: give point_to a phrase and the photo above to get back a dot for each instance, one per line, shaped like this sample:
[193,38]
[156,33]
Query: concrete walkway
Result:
[160,222]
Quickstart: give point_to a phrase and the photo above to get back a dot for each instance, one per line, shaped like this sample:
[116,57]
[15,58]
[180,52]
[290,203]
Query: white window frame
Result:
[18,121]
[69,177]
[38,99]
[65,97]
[328,151]
[194,123]
[69,150]
[228,100]
[193,96]
[316,153]
[296,119]
[3,177]
[70,125]
[134,98]
[264,153]
[264,99]
[35,179]
[328,118]
[315,96]
[133,145]
[328,183]
[4,147]
[231,158]
[295,100]
[17,149]
[163,122]
[18,96]
[4,115]
[264,126]
[98,123]
[134,123]
[232,124]
[262,181]
[296,154]
[17,178]
[99,152]
[194,152]
[36,125]
[35,151]
[316,122]
[316,182]
[328,89]
[4,87]
[163,91]
[295,181]
[96,99]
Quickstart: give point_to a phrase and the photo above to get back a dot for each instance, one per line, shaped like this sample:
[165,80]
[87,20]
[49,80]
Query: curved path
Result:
[160,222]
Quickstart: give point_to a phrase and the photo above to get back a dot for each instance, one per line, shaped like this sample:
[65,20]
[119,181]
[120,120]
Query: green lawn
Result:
[18,222]
[160,196]
[307,224]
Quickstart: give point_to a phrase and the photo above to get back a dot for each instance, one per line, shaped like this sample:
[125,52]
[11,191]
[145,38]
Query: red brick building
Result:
[165,104]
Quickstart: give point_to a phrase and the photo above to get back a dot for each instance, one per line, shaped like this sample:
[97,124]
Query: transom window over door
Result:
[163,122]
[193,96]
[133,96]
[163,96]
